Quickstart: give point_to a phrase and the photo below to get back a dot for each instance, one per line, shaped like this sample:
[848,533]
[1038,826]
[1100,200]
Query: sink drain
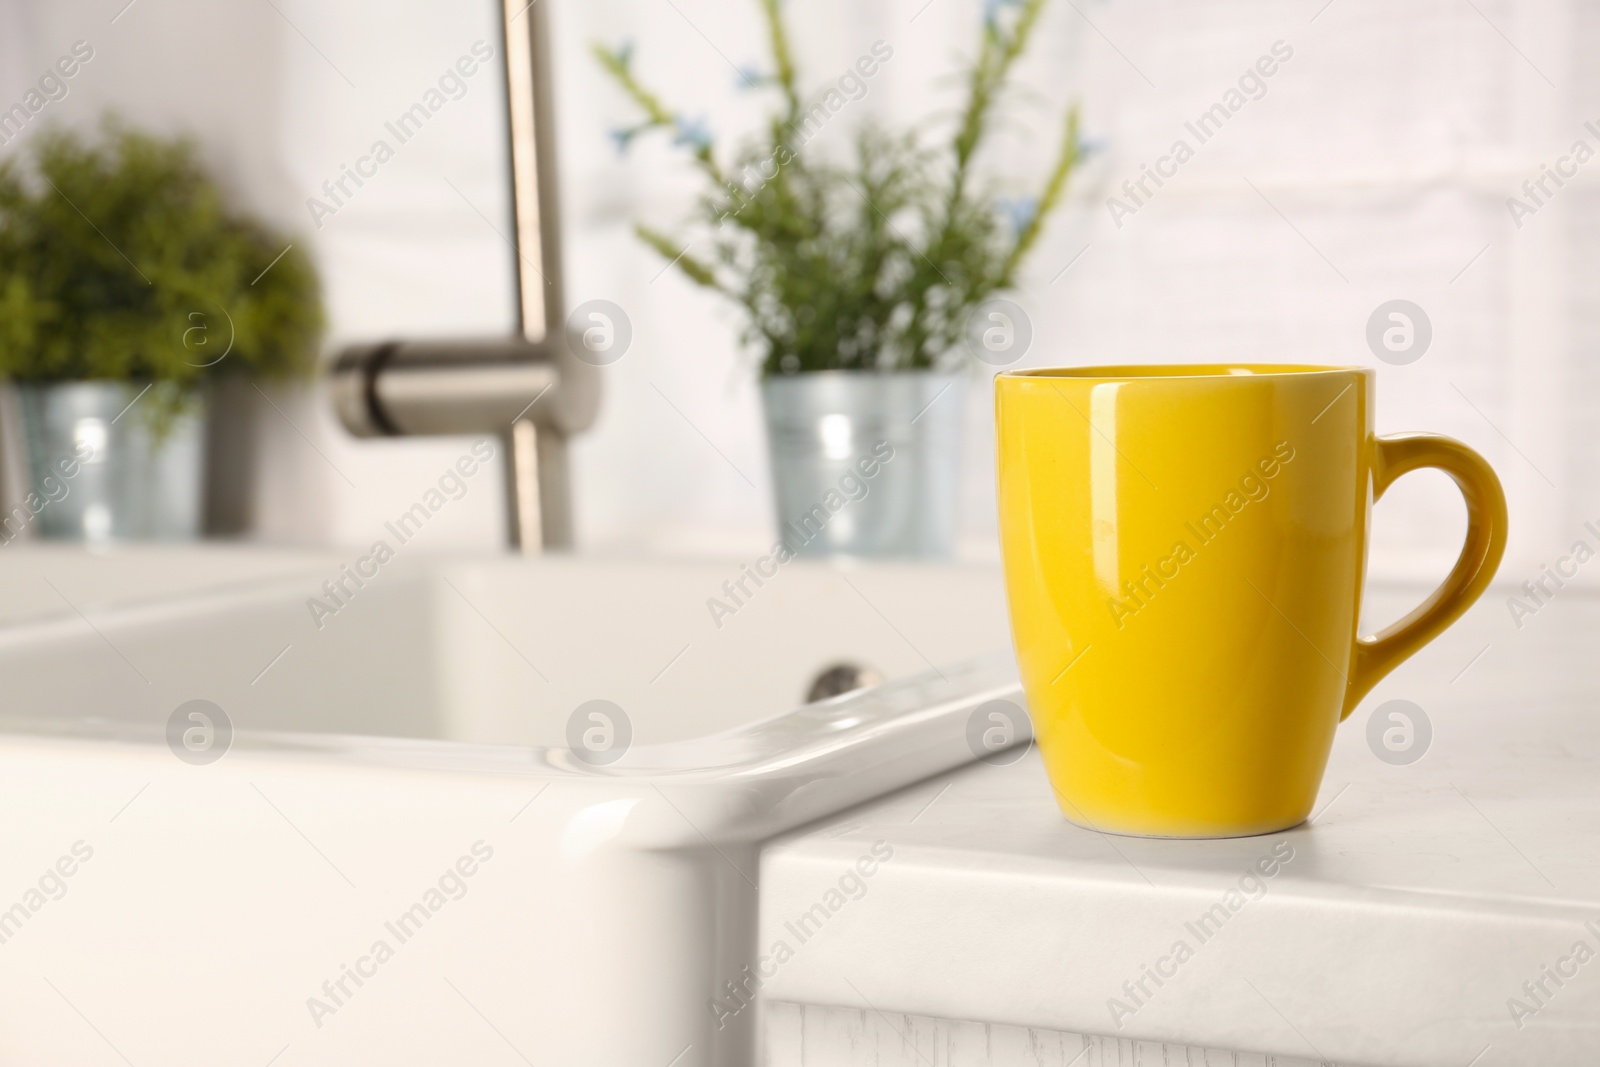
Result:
[841,678]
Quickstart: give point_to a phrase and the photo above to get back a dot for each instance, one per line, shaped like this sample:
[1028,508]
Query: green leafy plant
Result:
[873,264]
[121,259]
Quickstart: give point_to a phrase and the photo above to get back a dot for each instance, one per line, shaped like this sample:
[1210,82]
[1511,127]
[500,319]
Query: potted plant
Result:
[860,280]
[127,286]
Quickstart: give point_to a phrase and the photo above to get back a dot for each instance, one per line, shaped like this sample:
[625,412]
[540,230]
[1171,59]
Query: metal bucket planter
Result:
[98,472]
[865,463]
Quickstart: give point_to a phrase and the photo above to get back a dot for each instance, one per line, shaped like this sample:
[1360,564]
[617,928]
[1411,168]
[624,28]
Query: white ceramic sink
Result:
[409,758]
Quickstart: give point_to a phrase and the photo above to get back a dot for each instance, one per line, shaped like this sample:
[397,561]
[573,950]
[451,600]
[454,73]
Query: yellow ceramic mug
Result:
[1185,548]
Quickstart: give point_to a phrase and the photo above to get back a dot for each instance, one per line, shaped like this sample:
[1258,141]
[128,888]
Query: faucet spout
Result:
[529,389]
[508,388]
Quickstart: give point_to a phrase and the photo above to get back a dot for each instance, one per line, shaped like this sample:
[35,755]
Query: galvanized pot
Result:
[96,470]
[865,463]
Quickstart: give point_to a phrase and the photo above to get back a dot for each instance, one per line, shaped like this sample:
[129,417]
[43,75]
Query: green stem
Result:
[997,52]
[696,271]
[1066,159]
[782,57]
[657,116]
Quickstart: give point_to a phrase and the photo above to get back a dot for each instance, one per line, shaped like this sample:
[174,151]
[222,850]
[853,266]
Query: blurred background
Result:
[1376,166]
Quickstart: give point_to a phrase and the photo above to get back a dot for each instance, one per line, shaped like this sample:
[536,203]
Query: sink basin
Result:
[421,845]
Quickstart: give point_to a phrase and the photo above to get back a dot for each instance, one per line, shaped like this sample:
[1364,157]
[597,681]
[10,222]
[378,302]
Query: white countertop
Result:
[1418,900]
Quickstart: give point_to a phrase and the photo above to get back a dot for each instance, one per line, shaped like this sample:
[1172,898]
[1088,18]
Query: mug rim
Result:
[1180,371]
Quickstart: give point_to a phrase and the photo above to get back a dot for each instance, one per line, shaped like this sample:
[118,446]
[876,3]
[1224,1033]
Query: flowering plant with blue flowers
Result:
[872,264]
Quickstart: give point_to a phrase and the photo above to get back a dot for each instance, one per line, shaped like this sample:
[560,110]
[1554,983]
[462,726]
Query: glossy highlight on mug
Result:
[1189,686]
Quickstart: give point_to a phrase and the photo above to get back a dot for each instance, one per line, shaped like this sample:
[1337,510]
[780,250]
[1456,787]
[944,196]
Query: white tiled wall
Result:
[1376,166]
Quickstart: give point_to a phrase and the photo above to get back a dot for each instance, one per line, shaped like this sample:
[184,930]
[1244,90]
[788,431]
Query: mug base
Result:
[1224,835]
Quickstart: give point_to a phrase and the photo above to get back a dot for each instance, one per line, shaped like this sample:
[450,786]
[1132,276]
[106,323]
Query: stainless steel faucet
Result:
[529,388]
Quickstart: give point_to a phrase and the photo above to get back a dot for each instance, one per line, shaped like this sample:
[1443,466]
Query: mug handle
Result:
[1486,542]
